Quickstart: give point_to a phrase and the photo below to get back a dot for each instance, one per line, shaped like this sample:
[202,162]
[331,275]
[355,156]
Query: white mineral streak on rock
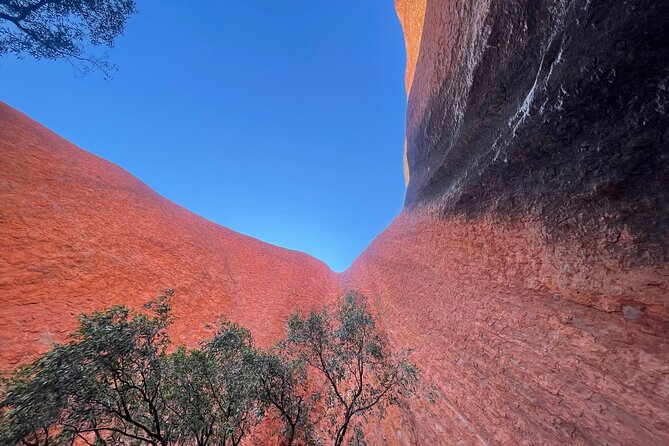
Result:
[541,82]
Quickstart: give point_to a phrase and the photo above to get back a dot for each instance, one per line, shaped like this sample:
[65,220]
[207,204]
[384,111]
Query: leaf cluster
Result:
[116,383]
[345,348]
[119,382]
[63,29]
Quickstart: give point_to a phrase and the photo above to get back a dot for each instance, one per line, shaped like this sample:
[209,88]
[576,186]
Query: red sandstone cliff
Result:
[529,266]
[77,233]
[519,341]
[528,269]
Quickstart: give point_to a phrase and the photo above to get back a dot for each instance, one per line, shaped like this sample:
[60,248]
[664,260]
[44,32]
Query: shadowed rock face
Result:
[527,270]
[546,107]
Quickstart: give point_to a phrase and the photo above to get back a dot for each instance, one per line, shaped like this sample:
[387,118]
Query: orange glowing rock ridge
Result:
[528,269]
[412,15]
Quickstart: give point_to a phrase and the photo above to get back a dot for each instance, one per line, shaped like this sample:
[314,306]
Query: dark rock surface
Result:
[552,108]
[529,266]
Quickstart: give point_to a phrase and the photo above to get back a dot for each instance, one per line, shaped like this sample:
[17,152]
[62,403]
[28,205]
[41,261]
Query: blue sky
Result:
[280,120]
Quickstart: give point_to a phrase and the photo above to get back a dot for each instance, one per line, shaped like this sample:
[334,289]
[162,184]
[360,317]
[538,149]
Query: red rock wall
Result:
[78,233]
[412,15]
[528,269]
[519,341]
[529,266]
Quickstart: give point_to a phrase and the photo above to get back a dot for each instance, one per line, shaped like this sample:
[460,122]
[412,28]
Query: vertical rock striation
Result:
[545,107]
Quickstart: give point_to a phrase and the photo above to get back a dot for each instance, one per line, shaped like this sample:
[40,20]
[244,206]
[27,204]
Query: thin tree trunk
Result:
[291,436]
[341,433]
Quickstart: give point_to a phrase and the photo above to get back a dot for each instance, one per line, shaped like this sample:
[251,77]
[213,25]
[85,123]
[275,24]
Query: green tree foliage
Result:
[117,382]
[348,351]
[283,390]
[103,387]
[212,389]
[63,29]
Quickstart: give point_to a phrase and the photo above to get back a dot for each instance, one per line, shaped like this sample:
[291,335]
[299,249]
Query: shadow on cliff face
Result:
[557,112]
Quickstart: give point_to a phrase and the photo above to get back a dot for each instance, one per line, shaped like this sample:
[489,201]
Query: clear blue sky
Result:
[280,120]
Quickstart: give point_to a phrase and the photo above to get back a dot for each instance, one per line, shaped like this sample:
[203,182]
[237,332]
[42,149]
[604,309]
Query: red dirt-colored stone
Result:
[528,269]
[519,342]
[78,233]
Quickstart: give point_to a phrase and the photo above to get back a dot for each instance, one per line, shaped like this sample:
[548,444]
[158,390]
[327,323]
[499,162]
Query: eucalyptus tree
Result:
[103,387]
[345,348]
[213,389]
[283,388]
[117,383]
[63,29]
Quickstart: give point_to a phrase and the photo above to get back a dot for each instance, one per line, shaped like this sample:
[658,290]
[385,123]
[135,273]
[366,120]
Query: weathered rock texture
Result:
[546,107]
[521,341]
[77,233]
[528,269]
[412,16]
